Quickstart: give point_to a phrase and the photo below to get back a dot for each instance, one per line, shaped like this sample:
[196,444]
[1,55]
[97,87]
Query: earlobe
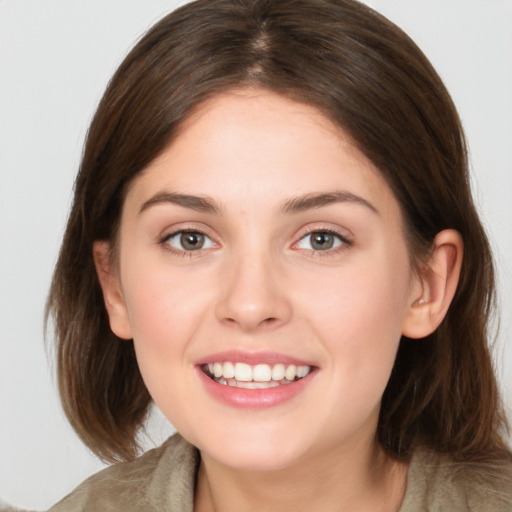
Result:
[438,278]
[112,293]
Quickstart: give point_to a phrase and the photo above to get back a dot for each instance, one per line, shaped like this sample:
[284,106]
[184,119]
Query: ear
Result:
[438,281]
[112,293]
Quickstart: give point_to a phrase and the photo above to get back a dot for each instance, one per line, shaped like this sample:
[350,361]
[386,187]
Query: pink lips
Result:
[251,358]
[253,398]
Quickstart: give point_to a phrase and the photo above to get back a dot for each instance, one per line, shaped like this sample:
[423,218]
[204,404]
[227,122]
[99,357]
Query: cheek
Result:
[161,298]
[359,324]
[165,309]
[358,314]
[164,314]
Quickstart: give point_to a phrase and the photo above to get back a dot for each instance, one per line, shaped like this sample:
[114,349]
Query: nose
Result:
[254,295]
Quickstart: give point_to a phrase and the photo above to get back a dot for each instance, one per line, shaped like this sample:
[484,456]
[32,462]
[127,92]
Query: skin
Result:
[258,285]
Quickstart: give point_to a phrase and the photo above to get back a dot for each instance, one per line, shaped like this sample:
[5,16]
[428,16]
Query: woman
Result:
[273,238]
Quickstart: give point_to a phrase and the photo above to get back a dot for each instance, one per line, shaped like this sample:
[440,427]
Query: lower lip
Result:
[254,398]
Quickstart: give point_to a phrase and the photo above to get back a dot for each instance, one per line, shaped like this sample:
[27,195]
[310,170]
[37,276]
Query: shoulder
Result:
[161,479]
[436,483]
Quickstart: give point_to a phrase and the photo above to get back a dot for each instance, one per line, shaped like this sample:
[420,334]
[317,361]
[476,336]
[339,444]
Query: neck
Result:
[351,481]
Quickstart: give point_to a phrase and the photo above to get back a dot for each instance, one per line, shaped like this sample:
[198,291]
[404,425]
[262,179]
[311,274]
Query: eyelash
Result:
[163,242]
[344,245]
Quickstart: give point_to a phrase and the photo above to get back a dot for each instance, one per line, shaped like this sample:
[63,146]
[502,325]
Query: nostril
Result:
[265,322]
[268,322]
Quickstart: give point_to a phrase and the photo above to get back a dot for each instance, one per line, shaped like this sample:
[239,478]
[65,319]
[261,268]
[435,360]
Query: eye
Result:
[188,241]
[321,241]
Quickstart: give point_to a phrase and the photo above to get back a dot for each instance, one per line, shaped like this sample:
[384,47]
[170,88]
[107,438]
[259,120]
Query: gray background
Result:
[55,59]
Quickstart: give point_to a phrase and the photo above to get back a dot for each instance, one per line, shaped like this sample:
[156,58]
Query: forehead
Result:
[253,143]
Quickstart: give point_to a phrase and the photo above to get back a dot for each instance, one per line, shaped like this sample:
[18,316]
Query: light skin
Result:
[250,177]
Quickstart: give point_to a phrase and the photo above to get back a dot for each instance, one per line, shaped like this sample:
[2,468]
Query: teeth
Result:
[255,377]
[302,371]
[262,373]
[255,385]
[243,372]
[228,370]
[278,371]
[290,372]
[217,370]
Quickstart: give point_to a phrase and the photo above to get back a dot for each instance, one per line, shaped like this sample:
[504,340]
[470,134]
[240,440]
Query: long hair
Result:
[369,78]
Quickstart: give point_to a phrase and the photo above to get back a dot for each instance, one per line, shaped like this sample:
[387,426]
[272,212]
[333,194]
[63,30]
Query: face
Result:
[264,277]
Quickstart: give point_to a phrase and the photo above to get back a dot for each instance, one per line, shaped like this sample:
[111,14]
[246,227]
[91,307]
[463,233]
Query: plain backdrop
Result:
[56,57]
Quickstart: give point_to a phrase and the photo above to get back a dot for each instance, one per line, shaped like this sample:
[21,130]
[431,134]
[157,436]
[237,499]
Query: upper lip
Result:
[252,358]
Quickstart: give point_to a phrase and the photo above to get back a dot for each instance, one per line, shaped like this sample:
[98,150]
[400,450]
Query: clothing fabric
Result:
[163,479]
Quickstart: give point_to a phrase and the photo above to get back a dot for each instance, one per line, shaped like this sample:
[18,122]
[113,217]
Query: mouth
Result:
[259,376]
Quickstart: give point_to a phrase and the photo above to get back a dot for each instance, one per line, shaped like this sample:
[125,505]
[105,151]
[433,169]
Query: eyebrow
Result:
[297,204]
[318,200]
[202,204]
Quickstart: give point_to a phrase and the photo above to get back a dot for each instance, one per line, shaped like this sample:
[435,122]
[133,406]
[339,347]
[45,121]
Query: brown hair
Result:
[368,77]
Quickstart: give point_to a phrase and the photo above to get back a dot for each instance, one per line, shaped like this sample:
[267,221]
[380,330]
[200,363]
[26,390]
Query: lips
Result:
[254,380]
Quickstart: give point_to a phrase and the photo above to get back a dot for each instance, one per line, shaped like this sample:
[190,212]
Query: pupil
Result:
[322,241]
[192,241]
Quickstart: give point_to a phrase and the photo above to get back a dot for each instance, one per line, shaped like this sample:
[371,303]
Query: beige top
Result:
[163,480]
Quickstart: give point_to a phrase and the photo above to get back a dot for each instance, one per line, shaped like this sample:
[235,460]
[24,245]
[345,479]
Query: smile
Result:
[259,376]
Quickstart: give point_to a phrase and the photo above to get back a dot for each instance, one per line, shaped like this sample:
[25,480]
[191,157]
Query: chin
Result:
[259,452]
[255,459]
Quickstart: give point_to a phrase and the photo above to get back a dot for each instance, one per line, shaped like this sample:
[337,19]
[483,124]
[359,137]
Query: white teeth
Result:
[257,385]
[258,376]
[278,371]
[217,369]
[302,371]
[243,372]
[228,370]
[262,373]
[290,372]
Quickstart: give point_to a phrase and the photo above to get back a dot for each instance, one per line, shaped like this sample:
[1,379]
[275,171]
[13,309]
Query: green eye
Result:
[320,241]
[189,241]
